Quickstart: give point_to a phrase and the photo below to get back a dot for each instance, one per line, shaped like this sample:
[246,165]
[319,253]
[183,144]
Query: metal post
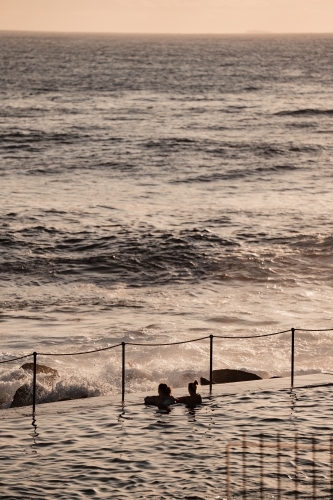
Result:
[314,467]
[244,464]
[34,383]
[123,373]
[292,356]
[331,460]
[228,470]
[278,445]
[261,467]
[211,364]
[296,466]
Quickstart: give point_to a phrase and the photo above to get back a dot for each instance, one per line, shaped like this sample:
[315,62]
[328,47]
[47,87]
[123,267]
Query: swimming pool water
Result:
[104,449]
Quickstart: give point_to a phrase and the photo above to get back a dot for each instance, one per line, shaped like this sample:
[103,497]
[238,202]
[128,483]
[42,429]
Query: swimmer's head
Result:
[192,387]
[164,390]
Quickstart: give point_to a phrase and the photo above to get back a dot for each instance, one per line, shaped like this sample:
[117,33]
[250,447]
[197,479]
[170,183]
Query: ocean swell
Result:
[144,257]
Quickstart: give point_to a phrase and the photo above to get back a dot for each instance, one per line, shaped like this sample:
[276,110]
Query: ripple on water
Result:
[181,454]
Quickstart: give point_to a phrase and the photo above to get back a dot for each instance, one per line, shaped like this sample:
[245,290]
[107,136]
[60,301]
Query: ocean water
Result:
[158,189]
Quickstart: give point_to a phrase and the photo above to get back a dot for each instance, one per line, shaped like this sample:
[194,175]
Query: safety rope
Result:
[252,336]
[15,359]
[167,343]
[77,353]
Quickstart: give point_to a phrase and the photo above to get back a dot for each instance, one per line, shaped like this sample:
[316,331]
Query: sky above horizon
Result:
[168,16]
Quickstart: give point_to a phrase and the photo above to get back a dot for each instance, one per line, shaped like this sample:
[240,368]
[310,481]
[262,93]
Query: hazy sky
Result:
[168,16]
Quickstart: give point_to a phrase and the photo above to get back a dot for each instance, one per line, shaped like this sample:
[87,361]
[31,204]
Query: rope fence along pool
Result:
[123,346]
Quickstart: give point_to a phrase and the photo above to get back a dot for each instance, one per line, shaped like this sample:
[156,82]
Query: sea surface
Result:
[157,189]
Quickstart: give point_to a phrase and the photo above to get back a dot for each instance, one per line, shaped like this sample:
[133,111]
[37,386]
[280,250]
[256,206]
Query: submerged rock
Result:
[226,375]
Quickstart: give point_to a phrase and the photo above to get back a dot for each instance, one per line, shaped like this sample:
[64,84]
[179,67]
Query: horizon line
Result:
[248,33]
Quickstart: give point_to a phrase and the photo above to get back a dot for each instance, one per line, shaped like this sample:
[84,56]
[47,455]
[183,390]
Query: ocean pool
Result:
[99,448]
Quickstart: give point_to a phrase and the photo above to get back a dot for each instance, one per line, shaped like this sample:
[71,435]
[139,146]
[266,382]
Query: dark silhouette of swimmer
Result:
[164,397]
[193,398]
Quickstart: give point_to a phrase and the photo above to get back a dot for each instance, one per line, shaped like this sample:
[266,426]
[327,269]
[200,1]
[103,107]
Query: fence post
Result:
[34,383]
[331,460]
[244,445]
[261,445]
[314,467]
[292,356]
[123,373]
[211,364]
[296,466]
[278,446]
[228,470]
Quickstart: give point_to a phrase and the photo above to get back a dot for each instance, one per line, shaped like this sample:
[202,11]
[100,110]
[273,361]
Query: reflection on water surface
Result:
[134,451]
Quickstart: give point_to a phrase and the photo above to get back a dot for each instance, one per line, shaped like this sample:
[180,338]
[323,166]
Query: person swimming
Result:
[193,398]
[164,397]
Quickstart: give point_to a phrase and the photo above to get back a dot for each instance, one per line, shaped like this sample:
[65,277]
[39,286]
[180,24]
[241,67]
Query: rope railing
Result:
[169,343]
[250,336]
[15,359]
[306,330]
[123,345]
[78,353]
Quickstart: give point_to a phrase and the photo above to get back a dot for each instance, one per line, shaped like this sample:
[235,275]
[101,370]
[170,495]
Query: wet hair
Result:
[165,389]
[192,386]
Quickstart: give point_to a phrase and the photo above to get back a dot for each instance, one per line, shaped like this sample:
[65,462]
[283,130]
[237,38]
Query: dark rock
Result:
[41,369]
[23,395]
[226,376]
[204,381]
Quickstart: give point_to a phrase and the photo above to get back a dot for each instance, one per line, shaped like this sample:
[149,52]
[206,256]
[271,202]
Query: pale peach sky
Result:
[168,16]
